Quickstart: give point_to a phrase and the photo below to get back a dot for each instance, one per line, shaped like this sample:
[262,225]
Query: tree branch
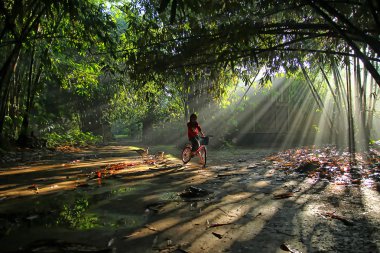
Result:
[352,44]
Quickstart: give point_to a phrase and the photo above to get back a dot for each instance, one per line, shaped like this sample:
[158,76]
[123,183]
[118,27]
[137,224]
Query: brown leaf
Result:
[283,195]
[219,224]
[217,235]
[342,219]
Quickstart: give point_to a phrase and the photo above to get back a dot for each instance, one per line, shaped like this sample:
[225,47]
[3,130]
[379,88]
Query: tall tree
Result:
[31,26]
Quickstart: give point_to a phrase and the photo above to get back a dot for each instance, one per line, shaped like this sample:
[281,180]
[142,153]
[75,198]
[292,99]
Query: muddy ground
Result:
[109,199]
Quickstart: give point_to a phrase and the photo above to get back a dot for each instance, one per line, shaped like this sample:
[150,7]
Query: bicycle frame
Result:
[187,153]
[199,149]
[202,155]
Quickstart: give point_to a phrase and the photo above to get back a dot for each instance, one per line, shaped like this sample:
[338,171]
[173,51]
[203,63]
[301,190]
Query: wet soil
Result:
[241,202]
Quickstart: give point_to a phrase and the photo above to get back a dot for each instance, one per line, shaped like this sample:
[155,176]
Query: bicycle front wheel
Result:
[203,156]
[186,155]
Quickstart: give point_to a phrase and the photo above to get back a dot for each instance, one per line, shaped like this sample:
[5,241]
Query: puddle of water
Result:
[115,220]
[81,209]
[123,189]
[169,196]
[95,208]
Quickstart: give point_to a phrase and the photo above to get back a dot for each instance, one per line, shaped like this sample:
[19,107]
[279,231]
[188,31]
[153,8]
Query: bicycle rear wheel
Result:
[203,156]
[186,155]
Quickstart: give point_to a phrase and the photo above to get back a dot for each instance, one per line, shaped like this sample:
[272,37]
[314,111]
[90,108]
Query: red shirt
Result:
[193,129]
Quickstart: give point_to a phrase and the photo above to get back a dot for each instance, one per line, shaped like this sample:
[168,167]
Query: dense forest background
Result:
[77,72]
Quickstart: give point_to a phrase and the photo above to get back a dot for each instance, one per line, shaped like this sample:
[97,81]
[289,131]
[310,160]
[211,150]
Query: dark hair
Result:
[193,116]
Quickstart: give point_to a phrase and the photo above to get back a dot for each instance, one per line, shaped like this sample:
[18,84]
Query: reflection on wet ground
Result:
[68,199]
[239,203]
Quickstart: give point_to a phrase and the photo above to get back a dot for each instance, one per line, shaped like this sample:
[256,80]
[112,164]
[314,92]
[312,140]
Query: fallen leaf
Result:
[32,217]
[219,236]
[342,219]
[283,195]
[286,247]
[219,224]
[192,192]
[111,242]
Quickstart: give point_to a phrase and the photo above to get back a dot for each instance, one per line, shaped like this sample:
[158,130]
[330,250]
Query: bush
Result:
[72,138]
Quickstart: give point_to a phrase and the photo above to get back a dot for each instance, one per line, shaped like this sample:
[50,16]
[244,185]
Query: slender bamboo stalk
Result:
[316,96]
[374,96]
[330,87]
[351,134]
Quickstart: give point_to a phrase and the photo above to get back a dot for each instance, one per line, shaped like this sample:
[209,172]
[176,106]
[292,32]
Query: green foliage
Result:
[83,79]
[9,123]
[72,138]
[126,128]
[138,62]
[316,128]
[75,215]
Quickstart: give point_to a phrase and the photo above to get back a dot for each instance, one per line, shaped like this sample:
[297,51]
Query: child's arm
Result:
[200,130]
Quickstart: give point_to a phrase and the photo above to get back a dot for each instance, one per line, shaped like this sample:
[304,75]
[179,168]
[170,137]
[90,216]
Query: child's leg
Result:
[194,144]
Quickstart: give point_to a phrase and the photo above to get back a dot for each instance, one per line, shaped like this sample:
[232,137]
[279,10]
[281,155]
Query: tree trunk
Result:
[186,98]
[350,121]
[334,111]
[361,107]
[372,104]
[15,97]
[10,64]
[147,127]
[6,72]
[341,96]
[316,96]
[23,137]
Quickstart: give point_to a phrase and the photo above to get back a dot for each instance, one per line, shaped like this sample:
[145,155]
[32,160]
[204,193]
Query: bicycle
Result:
[201,152]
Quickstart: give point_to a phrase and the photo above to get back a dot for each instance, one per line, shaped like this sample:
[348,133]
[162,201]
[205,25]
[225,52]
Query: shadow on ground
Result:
[60,204]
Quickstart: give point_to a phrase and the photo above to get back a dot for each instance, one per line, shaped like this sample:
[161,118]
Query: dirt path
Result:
[240,203]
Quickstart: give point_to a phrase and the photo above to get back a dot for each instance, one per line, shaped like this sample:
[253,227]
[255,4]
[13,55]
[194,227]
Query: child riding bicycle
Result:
[194,133]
